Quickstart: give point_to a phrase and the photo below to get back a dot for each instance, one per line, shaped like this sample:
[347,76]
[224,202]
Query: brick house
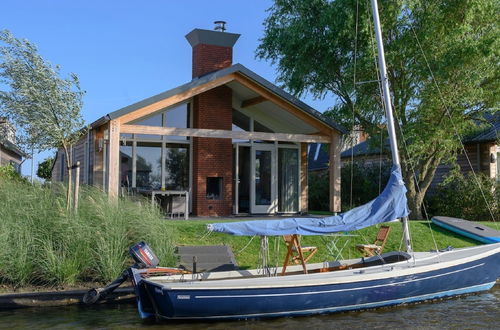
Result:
[233,140]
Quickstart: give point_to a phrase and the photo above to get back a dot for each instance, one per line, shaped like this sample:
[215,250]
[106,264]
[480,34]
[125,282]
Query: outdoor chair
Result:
[370,250]
[296,252]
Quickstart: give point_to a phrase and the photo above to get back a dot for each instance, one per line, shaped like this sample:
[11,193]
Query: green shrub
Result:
[10,173]
[41,243]
[470,197]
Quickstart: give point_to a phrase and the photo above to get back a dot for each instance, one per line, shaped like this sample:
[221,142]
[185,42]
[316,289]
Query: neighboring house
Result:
[231,138]
[482,150]
[9,152]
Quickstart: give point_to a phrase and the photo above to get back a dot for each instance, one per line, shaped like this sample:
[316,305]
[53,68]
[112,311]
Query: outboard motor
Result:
[143,256]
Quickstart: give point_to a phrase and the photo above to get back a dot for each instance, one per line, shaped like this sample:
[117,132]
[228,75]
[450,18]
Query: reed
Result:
[43,244]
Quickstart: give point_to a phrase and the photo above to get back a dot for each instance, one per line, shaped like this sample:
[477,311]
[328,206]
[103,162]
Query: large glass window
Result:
[177,117]
[177,167]
[156,120]
[152,162]
[148,166]
[288,180]
[126,165]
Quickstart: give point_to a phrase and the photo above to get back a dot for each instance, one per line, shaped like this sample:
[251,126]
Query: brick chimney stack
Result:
[212,50]
[212,188]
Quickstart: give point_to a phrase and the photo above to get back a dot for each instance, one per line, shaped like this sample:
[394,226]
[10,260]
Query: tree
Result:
[44,170]
[45,107]
[442,61]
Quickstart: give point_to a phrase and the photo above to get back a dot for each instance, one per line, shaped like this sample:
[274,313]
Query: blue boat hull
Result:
[316,299]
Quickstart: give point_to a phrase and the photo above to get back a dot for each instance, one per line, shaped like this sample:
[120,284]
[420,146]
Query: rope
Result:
[247,245]
[452,123]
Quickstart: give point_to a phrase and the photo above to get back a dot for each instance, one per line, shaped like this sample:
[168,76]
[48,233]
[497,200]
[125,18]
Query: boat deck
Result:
[326,273]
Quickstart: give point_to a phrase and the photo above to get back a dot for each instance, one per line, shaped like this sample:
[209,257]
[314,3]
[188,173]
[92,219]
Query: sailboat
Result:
[382,280]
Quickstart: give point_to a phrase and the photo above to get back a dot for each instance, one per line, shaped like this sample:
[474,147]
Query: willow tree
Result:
[44,106]
[442,58]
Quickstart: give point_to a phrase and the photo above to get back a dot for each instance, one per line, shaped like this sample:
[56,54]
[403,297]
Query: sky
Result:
[125,51]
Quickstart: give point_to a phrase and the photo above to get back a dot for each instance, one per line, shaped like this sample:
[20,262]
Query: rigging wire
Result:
[453,124]
[353,115]
[402,135]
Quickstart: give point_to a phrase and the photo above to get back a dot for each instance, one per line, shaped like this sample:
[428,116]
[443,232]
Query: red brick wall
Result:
[212,157]
[209,58]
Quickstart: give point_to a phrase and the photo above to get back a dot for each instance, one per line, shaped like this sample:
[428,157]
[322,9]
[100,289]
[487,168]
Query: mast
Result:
[388,109]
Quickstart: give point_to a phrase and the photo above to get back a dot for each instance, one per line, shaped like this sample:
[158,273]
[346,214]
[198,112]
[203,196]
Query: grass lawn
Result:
[193,232]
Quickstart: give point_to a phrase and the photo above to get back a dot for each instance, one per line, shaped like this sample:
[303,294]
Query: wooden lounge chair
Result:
[296,252]
[369,250]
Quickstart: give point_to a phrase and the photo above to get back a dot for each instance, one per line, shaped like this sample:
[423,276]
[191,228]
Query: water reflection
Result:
[471,312]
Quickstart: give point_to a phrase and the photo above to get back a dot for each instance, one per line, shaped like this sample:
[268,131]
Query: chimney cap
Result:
[209,37]
[220,26]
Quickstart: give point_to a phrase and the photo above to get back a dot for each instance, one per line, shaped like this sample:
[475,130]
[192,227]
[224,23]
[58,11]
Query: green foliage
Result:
[41,243]
[469,197]
[10,173]
[318,191]
[44,106]
[44,170]
[442,59]
[368,180]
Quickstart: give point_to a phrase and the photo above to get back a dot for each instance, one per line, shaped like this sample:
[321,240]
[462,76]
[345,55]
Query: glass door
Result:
[263,188]
[288,180]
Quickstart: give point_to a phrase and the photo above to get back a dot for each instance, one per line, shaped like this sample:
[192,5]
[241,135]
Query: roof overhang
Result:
[266,98]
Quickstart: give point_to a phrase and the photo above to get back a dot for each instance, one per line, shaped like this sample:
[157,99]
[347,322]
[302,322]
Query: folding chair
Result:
[369,250]
[296,252]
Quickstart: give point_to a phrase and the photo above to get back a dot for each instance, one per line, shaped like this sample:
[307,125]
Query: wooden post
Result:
[114,155]
[77,186]
[304,189]
[334,171]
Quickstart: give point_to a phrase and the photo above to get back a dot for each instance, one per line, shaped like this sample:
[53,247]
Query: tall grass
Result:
[43,244]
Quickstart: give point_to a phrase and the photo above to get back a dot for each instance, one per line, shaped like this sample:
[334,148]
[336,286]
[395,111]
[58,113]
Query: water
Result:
[480,311]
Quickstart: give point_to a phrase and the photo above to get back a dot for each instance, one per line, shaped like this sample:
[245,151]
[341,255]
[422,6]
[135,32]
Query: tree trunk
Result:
[68,166]
[416,194]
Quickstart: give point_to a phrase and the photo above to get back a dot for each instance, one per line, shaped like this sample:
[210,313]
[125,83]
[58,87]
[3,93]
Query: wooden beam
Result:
[253,101]
[334,171]
[304,184]
[174,99]
[114,158]
[270,96]
[217,133]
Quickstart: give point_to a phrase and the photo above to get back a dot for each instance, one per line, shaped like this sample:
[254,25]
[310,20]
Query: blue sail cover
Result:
[388,206]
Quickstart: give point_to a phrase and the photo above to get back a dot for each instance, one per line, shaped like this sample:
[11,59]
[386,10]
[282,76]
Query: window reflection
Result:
[288,180]
[177,117]
[126,166]
[148,166]
[156,120]
[177,167]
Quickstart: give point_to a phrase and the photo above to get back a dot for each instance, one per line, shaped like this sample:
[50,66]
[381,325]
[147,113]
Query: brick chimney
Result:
[212,50]
[212,189]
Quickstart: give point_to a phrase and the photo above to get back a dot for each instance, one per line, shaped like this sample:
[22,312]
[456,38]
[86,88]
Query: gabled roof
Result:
[365,148]
[490,132]
[237,68]
[12,147]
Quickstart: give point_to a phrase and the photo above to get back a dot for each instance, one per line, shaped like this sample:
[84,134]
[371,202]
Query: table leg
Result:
[186,211]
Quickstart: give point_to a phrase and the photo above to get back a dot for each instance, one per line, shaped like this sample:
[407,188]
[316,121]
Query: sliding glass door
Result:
[288,180]
[263,192]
